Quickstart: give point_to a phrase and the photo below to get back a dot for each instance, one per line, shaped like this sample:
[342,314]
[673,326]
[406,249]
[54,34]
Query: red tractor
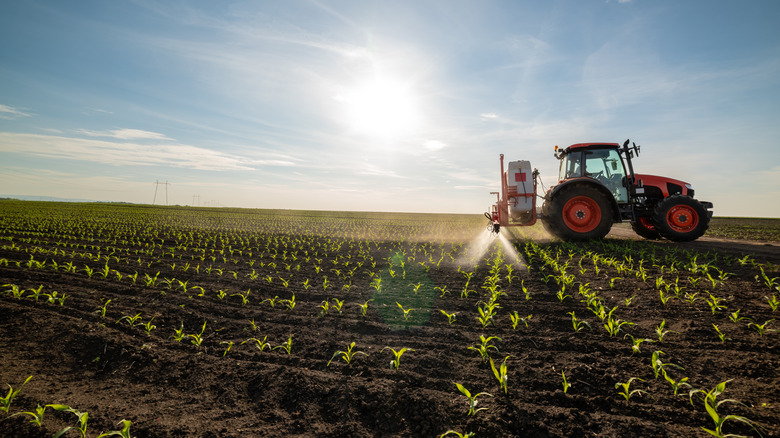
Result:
[597,187]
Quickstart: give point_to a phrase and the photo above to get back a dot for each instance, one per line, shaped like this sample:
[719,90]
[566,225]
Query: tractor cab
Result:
[600,162]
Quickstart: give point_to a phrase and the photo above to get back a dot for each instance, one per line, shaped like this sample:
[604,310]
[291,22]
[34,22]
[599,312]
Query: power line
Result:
[156,185]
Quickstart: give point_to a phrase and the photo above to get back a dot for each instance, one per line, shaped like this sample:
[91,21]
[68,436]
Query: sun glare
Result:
[382,108]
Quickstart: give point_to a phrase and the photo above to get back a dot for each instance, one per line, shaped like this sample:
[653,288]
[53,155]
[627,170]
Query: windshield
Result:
[605,166]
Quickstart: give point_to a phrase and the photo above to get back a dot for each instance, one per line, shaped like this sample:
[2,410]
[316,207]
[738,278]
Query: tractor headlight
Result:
[688,186]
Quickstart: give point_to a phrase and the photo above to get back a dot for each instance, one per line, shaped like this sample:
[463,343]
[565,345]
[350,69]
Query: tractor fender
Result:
[587,182]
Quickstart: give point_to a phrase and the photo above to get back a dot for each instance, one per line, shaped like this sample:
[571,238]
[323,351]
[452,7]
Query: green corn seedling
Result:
[227,349]
[450,316]
[364,307]
[287,346]
[178,334]
[525,290]
[124,432]
[658,366]
[472,399]
[561,295]
[148,326]
[626,392]
[577,323]
[245,297]
[197,339]
[5,402]
[457,434]
[500,373]
[325,306]
[37,416]
[348,355]
[132,320]
[516,319]
[396,361]
[407,312]
[102,310]
[773,302]
[761,329]
[81,416]
[566,384]
[721,335]
[676,385]
[636,342]
[660,332]
[711,405]
[735,318]
[715,303]
[337,304]
[260,344]
[36,293]
[485,346]
[290,304]
[613,326]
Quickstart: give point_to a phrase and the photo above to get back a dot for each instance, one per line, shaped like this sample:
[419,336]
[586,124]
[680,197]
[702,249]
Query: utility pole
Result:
[194,198]
[156,185]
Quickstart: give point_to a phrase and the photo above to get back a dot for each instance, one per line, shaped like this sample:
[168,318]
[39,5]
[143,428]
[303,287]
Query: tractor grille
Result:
[673,189]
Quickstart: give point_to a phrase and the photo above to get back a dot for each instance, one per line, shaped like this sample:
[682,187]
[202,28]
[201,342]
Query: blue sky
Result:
[382,105]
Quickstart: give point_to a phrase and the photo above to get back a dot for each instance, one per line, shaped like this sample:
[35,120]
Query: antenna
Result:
[156,185]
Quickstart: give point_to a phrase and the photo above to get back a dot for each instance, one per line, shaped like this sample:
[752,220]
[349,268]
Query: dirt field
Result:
[224,283]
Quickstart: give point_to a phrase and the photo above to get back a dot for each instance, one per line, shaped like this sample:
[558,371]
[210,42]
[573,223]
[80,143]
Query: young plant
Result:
[325,307]
[337,304]
[37,416]
[721,335]
[287,346]
[102,310]
[500,373]
[347,355]
[407,312]
[711,405]
[773,302]
[450,316]
[612,325]
[715,303]
[132,320]
[516,318]
[5,402]
[197,339]
[148,326]
[485,346]
[457,434]
[660,332]
[396,361]
[472,399]
[227,349]
[566,384]
[124,432]
[636,342]
[761,328]
[82,420]
[626,392]
[735,318]
[578,324]
[658,366]
[676,385]
[178,334]
[260,344]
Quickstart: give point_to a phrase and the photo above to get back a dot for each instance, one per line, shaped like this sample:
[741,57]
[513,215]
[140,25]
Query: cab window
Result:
[606,167]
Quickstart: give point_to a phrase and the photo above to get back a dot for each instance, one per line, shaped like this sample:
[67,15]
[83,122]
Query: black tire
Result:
[577,212]
[645,228]
[681,218]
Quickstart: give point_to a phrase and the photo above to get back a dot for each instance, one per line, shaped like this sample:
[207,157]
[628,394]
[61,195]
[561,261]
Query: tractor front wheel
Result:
[680,218]
[578,212]
[644,227]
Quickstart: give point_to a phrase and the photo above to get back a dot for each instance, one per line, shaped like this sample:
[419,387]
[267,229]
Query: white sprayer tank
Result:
[520,181]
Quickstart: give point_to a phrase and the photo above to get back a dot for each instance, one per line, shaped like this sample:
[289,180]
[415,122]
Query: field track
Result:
[222,322]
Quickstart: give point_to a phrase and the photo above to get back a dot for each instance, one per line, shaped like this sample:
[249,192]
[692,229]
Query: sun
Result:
[381,108]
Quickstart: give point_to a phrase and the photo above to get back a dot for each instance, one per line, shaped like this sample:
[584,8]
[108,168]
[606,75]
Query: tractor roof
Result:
[591,146]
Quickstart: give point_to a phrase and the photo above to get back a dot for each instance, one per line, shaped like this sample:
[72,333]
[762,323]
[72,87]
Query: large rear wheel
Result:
[578,212]
[680,218]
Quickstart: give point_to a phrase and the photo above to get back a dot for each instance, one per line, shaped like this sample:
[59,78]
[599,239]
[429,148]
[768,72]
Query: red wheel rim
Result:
[646,223]
[682,218]
[581,214]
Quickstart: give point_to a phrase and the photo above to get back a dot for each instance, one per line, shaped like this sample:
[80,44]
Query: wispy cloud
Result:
[127,153]
[11,113]
[126,134]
